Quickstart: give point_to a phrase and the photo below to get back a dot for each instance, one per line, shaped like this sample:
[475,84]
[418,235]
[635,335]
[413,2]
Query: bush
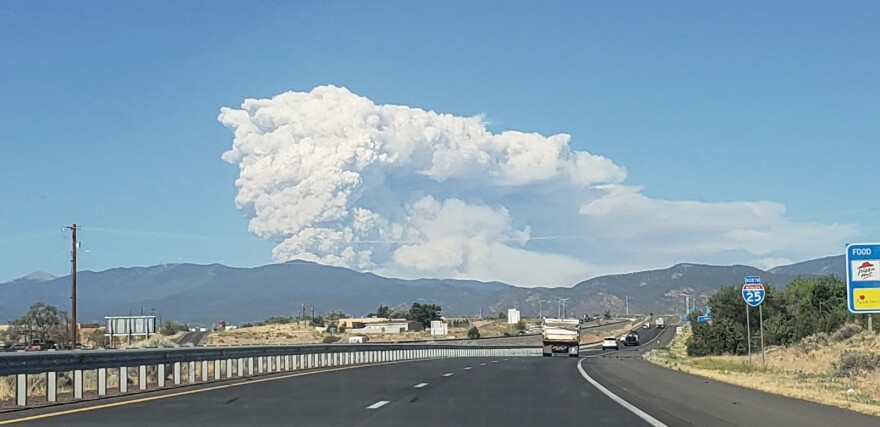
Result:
[846,332]
[854,362]
[473,333]
[815,342]
[330,339]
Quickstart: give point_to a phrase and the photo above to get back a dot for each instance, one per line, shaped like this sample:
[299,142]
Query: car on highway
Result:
[610,343]
[631,338]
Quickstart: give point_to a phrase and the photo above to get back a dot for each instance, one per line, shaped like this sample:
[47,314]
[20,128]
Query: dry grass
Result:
[301,333]
[821,369]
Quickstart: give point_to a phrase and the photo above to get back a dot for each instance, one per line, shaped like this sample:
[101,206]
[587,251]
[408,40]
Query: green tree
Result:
[335,315]
[520,326]
[97,338]
[383,311]
[424,313]
[168,328]
[473,333]
[41,322]
[398,313]
[803,308]
[607,315]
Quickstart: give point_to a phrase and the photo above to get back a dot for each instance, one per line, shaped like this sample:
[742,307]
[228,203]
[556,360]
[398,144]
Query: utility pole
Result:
[627,305]
[74,245]
[563,300]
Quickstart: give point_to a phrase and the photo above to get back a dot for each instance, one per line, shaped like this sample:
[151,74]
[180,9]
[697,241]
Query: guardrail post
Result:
[123,379]
[21,389]
[52,386]
[240,368]
[228,368]
[217,369]
[176,369]
[260,367]
[160,375]
[102,381]
[191,372]
[77,384]
[204,371]
[142,377]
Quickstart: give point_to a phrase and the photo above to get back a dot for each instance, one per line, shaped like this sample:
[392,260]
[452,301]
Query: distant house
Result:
[393,326]
[359,322]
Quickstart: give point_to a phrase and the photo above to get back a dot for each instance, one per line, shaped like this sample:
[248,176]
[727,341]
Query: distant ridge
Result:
[207,293]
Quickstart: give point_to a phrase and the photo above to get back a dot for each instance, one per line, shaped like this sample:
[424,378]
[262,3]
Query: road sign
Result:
[753,291]
[704,319]
[863,277]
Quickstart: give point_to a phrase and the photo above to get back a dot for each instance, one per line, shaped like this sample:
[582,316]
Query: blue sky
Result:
[109,112]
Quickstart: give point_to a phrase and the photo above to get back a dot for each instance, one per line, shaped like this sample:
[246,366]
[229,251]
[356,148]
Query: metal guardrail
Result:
[226,363]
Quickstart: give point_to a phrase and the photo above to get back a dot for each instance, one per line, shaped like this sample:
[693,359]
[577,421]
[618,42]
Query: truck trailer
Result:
[561,336]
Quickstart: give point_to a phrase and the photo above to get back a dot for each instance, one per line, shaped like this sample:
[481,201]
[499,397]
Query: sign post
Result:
[863,279]
[753,295]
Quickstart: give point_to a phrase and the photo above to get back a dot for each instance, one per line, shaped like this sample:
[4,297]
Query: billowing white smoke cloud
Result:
[337,179]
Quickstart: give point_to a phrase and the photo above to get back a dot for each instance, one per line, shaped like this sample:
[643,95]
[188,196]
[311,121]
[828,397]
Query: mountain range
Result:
[204,294]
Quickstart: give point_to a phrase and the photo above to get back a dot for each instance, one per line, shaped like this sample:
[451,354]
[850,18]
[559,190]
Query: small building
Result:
[439,328]
[512,316]
[394,326]
[354,322]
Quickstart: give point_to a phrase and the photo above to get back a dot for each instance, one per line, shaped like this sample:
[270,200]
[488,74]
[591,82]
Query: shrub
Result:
[473,333]
[330,339]
[815,342]
[853,362]
[846,332]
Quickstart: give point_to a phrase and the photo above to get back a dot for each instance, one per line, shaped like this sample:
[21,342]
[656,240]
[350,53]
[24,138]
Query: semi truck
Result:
[561,336]
[660,323]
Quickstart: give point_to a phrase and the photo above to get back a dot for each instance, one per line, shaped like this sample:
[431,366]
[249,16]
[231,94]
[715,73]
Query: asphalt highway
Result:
[610,388]
[194,338]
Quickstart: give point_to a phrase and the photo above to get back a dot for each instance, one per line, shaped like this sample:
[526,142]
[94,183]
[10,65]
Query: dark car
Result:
[631,338]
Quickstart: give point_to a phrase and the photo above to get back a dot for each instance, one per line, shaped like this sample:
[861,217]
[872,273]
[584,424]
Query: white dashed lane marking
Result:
[420,385]
[448,374]
[378,404]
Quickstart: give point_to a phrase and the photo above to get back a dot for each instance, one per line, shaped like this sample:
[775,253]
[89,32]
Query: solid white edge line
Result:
[378,404]
[639,413]
[420,385]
